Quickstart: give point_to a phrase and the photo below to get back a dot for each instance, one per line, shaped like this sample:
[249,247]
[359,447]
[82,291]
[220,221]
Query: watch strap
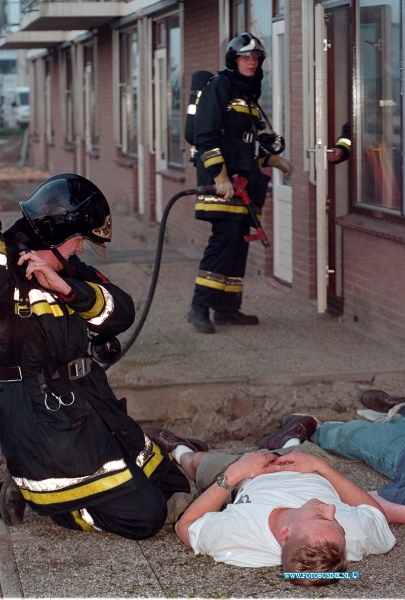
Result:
[221,481]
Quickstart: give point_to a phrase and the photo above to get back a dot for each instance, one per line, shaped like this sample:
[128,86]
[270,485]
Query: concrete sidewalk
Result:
[228,388]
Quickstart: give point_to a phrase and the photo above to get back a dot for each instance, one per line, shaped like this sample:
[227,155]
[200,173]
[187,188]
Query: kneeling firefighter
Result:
[72,452]
[227,142]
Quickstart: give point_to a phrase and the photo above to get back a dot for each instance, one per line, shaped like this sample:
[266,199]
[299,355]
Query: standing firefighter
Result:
[72,452]
[226,136]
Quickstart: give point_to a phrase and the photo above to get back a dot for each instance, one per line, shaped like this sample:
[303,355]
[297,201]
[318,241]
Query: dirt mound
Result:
[16,183]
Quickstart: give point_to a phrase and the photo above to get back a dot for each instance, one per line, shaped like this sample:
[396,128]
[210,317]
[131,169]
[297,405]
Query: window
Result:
[68,96]
[49,125]
[238,17]
[35,104]
[378,134]
[174,109]
[8,66]
[278,8]
[168,43]
[89,99]
[128,92]
[260,20]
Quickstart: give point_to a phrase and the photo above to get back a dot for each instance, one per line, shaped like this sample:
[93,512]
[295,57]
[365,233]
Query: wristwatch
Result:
[221,481]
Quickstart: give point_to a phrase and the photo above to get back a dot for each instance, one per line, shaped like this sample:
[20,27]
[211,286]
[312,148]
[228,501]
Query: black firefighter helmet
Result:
[241,46]
[68,205]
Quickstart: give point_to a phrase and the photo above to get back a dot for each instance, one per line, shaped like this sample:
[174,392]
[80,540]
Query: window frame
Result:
[128,93]
[357,204]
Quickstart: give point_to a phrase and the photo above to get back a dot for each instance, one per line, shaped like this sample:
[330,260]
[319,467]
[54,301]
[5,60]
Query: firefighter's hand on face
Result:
[281,163]
[223,184]
[44,273]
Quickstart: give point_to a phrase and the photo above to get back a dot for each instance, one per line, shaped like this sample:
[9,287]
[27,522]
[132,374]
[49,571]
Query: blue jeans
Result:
[379,445]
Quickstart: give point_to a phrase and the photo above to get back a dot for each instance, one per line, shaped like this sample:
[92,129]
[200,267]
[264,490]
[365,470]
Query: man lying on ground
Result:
[379,444]
[310,520]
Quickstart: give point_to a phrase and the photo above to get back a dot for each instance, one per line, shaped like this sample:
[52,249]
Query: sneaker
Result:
[199,316]
[234,317]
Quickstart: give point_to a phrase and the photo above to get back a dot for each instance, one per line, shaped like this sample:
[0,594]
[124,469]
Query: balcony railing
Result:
[28,4]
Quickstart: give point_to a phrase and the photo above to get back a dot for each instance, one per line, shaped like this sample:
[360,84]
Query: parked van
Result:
[16,108]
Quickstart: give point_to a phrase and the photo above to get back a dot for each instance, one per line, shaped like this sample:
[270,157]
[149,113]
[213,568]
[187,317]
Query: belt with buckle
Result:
[8,374]
[75,369]
[248,137]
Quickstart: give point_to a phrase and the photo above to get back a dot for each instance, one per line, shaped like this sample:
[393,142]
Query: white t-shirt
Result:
[240,535]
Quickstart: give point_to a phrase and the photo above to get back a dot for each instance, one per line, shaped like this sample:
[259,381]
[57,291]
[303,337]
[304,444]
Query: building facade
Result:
[109,90]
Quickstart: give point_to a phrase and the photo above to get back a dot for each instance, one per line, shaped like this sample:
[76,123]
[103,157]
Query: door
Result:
[337,21]
[321,47]
[282,190]
[332,110]
[160,121]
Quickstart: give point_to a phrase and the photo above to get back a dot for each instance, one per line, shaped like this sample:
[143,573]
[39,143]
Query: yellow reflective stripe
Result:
[215,160]
[154,462]
[208,206]
[83,491]
[44,308]
[81,522]
[345,143]
[98,305]
[217,285]
[42,303]
[245,109]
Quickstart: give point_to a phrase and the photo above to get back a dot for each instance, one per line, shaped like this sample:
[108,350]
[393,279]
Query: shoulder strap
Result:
[24,325]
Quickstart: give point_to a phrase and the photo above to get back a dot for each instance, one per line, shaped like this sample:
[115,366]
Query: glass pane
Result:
[379,124]
[260,26]
[174,108]
[238,11]
[279,7]
[133,88]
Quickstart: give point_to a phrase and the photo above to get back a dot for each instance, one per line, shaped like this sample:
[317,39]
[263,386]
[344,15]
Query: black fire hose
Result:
[201,190]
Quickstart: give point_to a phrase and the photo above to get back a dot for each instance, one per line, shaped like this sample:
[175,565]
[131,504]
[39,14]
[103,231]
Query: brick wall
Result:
[115,180]
[374,286]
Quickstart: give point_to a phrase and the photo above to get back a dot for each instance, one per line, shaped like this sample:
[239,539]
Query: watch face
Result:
[222,480]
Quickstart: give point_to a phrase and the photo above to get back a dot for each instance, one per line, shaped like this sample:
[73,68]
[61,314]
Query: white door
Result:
[320,148]
[160,93]
[282,190]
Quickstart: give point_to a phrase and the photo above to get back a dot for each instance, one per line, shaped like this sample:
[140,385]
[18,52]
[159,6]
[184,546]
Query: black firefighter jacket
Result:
[63,456]
[225,131]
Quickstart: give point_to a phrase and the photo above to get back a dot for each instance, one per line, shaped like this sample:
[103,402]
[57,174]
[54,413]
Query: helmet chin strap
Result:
[70,269]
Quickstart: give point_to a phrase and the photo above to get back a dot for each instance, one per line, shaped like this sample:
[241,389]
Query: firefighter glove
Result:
[223,184]
[281,163]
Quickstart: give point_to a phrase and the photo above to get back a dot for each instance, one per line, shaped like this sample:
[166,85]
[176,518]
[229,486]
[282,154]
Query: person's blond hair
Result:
[326,557]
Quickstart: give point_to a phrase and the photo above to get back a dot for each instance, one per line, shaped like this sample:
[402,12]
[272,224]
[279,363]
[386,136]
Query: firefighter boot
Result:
[12,503]
[199,316]
[234,317]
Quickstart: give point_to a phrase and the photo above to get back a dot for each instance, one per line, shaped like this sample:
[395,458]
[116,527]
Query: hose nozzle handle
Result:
[206,190]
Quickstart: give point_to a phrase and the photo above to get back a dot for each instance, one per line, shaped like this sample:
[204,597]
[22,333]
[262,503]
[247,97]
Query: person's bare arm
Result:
[395,513]
[249,466]
[349,492]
